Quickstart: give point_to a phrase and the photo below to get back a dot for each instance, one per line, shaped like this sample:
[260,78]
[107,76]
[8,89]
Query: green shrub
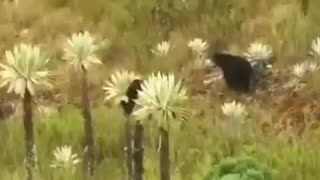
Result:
[242,168]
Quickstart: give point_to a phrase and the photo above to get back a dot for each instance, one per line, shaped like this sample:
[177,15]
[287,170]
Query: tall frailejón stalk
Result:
[25,69]
[163,98]
[80,51]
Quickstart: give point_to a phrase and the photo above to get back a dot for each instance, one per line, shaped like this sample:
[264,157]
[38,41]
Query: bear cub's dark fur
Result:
[237,71]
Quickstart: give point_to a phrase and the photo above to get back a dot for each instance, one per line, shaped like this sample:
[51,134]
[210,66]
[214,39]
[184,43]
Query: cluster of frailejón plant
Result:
[300,70]
[234,110]
[258,51]
[259,55]
[199,48]
[118,84]
[315,48]
[64,158]
[162,48]
[162,97]
[25,69]
[80,50]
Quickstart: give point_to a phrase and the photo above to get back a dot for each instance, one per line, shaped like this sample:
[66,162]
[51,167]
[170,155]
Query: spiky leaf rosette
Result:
[118,84]
[25,69]
[80,50]
[259,55]
[198,45]
[258,51]
[234,110]
[315,48]
[64,158]
[163,98]
[162,48]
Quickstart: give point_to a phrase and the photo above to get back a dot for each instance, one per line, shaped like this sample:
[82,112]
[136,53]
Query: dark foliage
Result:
[29,135]
[132,94]
[305,7]
[164,155]
[138,152]
[89,164]
[1,110]
[237,71]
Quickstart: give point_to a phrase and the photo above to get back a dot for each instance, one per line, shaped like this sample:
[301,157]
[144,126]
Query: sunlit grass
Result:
[188,158]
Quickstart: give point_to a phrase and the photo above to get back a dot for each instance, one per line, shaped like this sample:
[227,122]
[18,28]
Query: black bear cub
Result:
[132,94]
[237,71]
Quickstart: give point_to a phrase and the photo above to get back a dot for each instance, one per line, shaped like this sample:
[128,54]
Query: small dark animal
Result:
[6,109]
[237,71]
[132,94]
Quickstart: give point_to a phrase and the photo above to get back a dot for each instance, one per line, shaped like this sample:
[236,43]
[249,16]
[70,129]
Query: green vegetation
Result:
[279,131]
[245,168]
